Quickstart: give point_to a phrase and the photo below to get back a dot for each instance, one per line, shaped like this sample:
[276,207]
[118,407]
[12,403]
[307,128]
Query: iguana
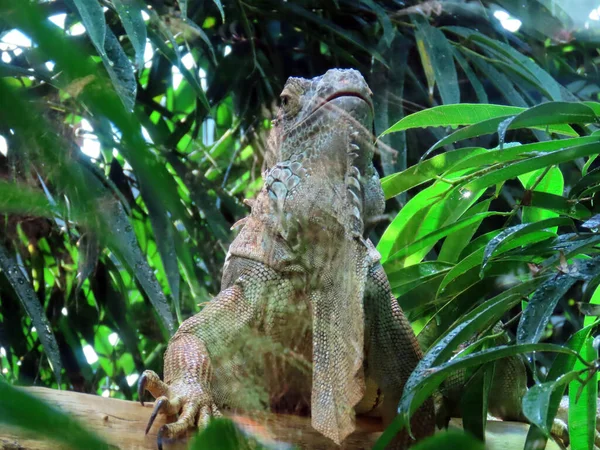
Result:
[305,321]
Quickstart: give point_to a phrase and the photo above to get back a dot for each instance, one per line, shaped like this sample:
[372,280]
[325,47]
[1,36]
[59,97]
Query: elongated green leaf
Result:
[548,114]
[558,204]
[447,163]
[561,365]
[503,84]
[591,179]
[453,116]
[438,62]
[165,242]
[115,61]
[130,13]
[432,238]
[455,243]
[399,275]
[544,80]
[541,306]
[119,69]
[92,17]
[517,231]
[34,309]
[537,162]
[418,293]
[424,171]
[413,214]
[421,384]
[124,243]
[551,182]
[18,408]
[583,403]
[536,403]
[474,401]
[477,86]
[518,152]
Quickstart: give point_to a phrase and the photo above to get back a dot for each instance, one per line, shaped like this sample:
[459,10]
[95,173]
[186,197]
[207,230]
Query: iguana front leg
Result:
[392,353]
[187,395]
[189,387]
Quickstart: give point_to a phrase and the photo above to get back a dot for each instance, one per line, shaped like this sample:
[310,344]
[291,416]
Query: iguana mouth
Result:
[340,94]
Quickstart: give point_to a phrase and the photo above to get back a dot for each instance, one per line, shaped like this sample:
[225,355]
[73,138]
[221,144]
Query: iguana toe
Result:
[151,382]
[158,405]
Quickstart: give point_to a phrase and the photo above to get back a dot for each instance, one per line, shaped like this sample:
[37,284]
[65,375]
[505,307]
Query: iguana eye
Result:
[289,103]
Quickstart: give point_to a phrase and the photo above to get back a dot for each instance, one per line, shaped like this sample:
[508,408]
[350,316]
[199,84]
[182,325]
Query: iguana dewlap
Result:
[305,317]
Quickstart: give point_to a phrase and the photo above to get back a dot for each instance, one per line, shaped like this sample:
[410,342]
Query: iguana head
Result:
[325,115]
[324,125]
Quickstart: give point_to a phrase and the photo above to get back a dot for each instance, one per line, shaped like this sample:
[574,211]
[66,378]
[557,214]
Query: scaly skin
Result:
[305,319]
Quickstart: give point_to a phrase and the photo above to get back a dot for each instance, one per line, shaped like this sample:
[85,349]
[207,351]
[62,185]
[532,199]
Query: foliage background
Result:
[104,252]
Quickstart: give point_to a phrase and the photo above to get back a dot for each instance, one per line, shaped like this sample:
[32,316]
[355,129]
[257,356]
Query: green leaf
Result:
[544,80]
[541,306]
[558,204]
[421,383]
[92,17]
[20,409]
[477,86]
[474,401]
[224,434]
[595,300]
[513,170]
[583,401]
[503,84]
[591,179]
[119,70]
[123,242]
[455,243]
[552,182]
[409,218]
[536,402]
[561,365]
[431,238]
[115,60]
[466,158]
[34,309]
[438,62]
[518,152]
[450,439]
[418,293]
[517,231]
[130,13]
[453,116]
[165,242]
[553,115]
[399,276]
[424,171]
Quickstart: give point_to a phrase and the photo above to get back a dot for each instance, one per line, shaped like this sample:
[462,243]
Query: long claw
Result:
[141,388]
[157,406]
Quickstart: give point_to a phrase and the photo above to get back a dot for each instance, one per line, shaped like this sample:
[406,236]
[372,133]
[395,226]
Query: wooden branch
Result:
[122,423]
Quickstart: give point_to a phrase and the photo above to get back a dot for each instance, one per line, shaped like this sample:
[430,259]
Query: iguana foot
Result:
[193,405]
